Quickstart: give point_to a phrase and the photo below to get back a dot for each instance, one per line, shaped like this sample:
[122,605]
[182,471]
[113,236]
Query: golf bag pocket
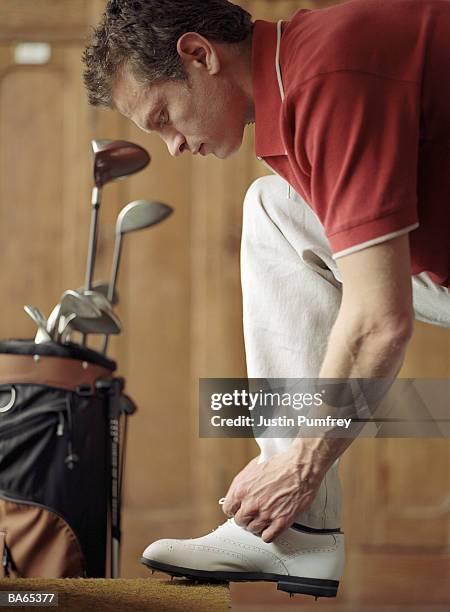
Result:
[36,542]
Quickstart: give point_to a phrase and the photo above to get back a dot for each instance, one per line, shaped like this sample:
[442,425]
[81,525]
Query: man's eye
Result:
[163,119]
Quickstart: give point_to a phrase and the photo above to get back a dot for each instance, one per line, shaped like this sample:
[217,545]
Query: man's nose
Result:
[176,143]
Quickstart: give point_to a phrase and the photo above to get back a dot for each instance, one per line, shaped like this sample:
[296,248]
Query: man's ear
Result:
[196,51]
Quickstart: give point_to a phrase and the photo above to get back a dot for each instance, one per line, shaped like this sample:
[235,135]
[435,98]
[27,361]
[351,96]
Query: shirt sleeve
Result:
[357,136]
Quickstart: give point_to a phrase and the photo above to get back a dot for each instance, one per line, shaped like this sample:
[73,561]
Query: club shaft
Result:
[96,195]
[92,246]
[113,280]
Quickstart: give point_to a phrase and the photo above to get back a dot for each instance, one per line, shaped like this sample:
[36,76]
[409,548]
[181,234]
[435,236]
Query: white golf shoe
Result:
[300,560]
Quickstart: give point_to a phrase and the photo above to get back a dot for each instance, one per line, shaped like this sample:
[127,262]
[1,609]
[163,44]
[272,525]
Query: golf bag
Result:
[60,410]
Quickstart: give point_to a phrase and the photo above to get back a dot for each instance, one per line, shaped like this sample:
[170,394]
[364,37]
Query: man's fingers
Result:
[231,506]
[244,516]
[274,530]
[257,526]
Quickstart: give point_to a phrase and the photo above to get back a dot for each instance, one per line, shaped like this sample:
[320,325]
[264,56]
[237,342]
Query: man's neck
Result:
[247,53]
[239,66]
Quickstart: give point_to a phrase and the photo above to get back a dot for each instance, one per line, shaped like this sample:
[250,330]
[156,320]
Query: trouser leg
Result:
[291,298]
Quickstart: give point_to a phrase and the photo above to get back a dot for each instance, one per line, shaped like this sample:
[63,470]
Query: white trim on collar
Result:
[277,59]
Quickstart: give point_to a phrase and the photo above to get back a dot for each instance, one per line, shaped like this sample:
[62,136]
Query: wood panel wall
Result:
[179,294]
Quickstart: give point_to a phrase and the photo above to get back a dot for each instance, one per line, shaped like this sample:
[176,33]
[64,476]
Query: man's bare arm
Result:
[368,340]
[373,328]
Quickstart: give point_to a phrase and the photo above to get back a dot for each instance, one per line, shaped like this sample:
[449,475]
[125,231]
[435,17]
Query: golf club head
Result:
[99,300]
[52,320]
[42,337]
[103,288]
[63,324]
[74,302]
[141,214]
[105,324]
[40,316]
[117,159]
[71,302]
[37,317]
[31,312]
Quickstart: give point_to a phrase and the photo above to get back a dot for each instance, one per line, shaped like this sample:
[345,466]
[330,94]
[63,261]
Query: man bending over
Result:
[340,251]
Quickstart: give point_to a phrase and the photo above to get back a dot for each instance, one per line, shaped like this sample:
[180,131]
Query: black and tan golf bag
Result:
[60,460]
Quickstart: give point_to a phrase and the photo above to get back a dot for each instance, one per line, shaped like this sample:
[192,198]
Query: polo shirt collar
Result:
[266,91]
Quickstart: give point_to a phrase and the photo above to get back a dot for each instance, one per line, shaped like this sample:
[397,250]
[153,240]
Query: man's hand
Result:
[265,497]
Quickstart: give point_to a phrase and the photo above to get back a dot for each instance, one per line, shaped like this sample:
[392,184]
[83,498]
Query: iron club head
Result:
[71,302]
[100,300]
[101,287]
[108,323]
[35,314]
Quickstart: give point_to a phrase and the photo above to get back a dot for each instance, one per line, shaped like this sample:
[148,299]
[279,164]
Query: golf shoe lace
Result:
[229,520]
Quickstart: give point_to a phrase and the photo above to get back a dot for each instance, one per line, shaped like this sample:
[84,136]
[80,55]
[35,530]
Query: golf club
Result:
[109,320]
[103,288]
[35,314]
[100,300]
[99,294]
[113,160]
[71,302]
[63,323]
[135,216]
[40,316]
[108,323]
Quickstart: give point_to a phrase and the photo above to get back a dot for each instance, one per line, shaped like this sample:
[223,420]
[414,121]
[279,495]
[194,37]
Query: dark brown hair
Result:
[143,35]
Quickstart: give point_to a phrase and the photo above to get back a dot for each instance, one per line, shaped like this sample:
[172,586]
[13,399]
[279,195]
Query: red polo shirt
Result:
[363,132]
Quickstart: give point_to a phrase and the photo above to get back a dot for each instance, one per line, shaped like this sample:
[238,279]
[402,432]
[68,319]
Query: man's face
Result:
[206,115]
